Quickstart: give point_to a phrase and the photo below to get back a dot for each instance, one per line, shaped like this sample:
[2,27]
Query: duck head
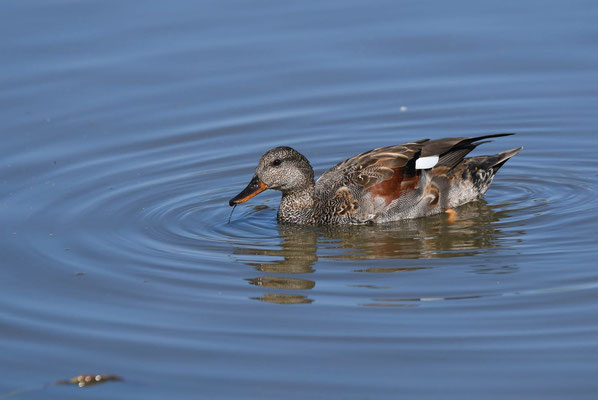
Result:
[281,168]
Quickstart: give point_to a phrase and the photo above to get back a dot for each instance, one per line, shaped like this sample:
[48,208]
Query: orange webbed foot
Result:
[452,215]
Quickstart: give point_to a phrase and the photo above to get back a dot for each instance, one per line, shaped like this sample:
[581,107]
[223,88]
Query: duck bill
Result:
[255,187]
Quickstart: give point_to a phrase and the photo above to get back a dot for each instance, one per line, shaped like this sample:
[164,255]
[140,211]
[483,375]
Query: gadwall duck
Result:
[405,181]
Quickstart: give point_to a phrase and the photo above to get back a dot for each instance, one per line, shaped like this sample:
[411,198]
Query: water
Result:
[126,128]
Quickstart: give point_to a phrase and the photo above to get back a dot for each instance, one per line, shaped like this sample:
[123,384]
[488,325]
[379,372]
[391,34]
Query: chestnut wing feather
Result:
[379,171]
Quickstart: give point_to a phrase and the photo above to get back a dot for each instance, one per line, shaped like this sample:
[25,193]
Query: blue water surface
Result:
[127,126]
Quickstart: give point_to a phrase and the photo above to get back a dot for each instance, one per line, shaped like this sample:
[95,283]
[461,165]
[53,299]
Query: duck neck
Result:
[297,206]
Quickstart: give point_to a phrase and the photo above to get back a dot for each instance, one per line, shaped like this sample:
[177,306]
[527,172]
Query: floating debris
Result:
[231,214]
[88,380]
[80,381]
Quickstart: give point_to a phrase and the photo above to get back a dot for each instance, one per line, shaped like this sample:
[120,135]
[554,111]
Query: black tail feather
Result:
[496,161]
[494,135]
[460,147]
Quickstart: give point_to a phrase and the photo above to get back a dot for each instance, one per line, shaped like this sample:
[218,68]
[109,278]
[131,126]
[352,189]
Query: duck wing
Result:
[390,172]
[385,171]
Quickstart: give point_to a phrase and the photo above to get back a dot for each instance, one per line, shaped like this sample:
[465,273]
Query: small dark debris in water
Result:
[260,207]
[231,214]
[80,273]
[88,380]
[80,381]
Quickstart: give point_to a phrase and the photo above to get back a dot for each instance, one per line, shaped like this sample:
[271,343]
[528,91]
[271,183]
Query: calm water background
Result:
[126,127]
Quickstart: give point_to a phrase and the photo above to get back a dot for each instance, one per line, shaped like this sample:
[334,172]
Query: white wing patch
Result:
[426,162]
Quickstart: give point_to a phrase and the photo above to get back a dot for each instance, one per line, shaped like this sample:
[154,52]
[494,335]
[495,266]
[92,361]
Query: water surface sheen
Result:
[127,128]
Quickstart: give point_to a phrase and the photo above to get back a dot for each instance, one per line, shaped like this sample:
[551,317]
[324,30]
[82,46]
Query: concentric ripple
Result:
[161,214]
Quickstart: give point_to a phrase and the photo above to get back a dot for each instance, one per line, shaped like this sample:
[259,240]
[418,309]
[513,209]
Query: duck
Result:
[416,179]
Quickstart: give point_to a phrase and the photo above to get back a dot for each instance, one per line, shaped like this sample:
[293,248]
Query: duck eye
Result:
[276,162]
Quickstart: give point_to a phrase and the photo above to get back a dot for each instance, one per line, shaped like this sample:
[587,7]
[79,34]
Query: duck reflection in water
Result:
[425,238]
